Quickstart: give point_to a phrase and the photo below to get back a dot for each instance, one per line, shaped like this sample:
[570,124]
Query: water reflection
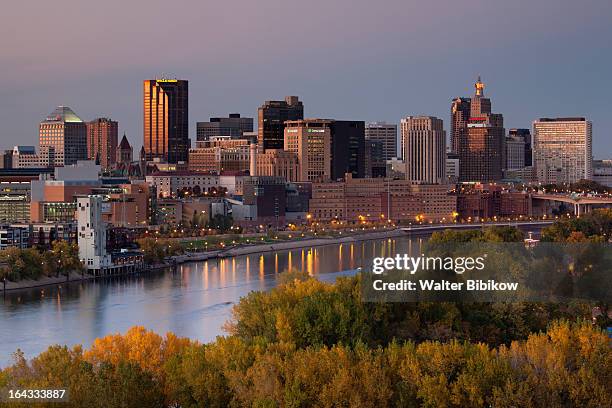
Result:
[193,301]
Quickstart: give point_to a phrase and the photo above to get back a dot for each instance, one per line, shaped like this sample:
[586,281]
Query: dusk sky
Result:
[361,60]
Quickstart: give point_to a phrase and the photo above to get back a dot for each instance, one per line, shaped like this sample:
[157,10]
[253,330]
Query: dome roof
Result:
[63,114]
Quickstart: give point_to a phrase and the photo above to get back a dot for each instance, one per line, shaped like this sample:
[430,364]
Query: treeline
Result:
[595,226]
[155,250]
[307,343]
[17,264]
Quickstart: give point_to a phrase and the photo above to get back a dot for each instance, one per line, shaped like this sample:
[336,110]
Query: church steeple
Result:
[480,86]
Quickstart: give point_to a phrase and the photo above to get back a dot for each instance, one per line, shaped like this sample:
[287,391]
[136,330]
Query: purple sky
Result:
[366,60]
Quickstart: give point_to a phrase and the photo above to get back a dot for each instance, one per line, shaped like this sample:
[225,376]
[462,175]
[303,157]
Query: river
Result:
[193,301]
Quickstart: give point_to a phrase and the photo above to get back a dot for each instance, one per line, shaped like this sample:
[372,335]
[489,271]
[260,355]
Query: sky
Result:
[346,59]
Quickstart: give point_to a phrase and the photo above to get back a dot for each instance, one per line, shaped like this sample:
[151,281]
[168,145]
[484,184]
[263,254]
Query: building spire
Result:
[480,86]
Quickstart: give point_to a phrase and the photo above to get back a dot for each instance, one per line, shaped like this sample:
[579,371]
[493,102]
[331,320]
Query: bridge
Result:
[527,225]
[582,204]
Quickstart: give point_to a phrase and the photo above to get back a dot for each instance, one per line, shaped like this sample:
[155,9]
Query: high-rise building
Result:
[452,167]
[387,134]
[515,151]
[460,114]
[102,135]
[271,117]
[376,165]
[424,150]
[327,148]
[563,149]
[66,133]
[310,139]
[524,134]
[481,146]
[166,120]
[92,233]
[347,149]
[233,126]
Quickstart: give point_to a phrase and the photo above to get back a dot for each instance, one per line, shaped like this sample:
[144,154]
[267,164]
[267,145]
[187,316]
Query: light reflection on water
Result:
[194,301]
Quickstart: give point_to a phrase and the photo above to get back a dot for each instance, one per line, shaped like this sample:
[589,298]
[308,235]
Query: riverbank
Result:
[238,250]
[241,250]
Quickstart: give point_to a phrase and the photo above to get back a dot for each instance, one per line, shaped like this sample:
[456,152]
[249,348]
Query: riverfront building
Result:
[376,199]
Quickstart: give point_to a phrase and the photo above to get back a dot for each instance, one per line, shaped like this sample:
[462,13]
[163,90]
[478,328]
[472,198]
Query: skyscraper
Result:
[166,120]
[66,133]
[233,126]
[425,149]
[524,134]
[387,134]
[481,145]
[102,135]
[271,117]
[310,139]
[515,152]
[460,114]
[563,149]
[348,148]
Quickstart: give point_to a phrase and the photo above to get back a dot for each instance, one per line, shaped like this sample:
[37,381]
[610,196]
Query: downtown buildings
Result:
[327,148]
[479,138]
[166,120]
[386,133]
[424,149]
[233,126]
[65,134]
[380,199]
[102,136]
[563,149]
[271,118]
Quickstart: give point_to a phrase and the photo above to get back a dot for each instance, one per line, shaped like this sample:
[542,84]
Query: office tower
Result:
[310,139]
[375,164]
[125,152]
[102,135]
[347,149]
[271,117]
[481,147]
[452,167]
[424,150]
[563,150]
[233,126]
[525,134]
[515,151]
[66,133]
[166,120]
[387,134]
[460,114]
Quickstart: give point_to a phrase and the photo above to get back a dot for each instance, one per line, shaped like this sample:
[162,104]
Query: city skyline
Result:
[530,63]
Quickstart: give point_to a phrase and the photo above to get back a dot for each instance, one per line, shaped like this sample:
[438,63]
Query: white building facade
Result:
[563,150]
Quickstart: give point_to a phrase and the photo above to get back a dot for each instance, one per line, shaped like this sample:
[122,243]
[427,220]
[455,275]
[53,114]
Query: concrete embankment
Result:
[286,245]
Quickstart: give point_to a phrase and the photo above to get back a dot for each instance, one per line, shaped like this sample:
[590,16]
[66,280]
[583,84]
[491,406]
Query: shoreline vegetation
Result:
[167,252]
[309,343]
[162,261]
